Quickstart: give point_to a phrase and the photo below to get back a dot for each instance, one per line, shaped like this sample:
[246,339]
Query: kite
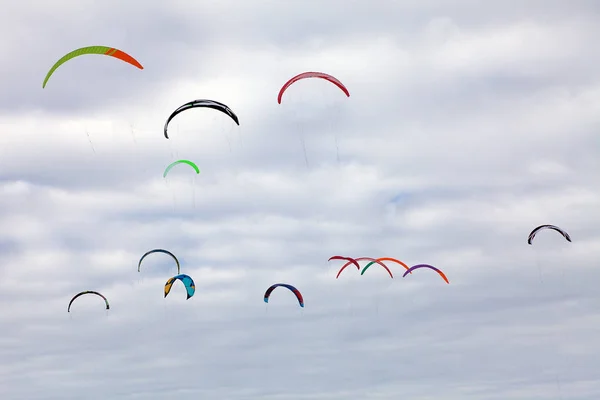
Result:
[202,103]
[160,251]
[108,51]
[188,282]
[305,75]
[290,287]
[426,266]
[188,162]
[87,292]
[350,261]
[539,228]
[384,259]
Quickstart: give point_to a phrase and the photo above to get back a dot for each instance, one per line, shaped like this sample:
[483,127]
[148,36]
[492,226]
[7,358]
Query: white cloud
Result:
[466,127]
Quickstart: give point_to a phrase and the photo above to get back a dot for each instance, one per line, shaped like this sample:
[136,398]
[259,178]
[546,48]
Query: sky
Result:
[468,124]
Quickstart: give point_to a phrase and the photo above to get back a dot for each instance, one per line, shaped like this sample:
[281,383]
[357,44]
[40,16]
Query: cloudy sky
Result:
[468,124]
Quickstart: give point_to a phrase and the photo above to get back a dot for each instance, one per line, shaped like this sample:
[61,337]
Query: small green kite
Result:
[188,162]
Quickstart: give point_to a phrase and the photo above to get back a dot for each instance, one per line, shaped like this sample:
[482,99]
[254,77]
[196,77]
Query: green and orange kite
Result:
[102,50]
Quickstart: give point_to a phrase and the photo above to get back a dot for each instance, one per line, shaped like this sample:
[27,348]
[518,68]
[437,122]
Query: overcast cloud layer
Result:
[469,124]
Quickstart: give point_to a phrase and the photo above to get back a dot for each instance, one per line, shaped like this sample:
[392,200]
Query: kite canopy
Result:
[87,292]
[350,261]
[188,282]
[553,227]
[103,50]
[426,266]
[215,105]
[285,285]
[160,251]
[305,75]
[188,162]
